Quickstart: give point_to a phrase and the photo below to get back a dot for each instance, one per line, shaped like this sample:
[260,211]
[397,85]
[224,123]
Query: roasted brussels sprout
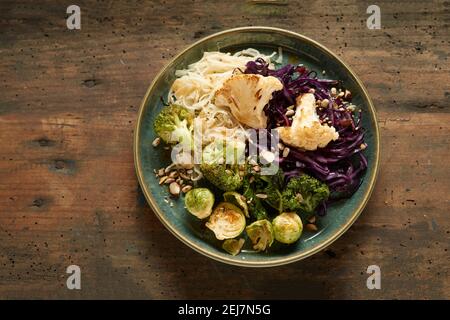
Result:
[227,221]
[238,200]
[287,227]
[199,202]
[233,246]
[261,234]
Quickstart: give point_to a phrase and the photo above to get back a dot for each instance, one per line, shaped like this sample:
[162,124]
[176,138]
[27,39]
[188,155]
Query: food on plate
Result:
[199,202]
[238,200]
[306,132]
[304,194]
[260,146]
[227,221]
[233,246]
[246,95]
[287,227]
[174,124]
[261,234]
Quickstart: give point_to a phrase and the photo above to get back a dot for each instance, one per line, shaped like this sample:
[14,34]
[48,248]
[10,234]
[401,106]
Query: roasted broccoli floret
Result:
[217,169]
[223,177]
[263,189]
[174,124]
[271,185]
[255,206]
[303,194]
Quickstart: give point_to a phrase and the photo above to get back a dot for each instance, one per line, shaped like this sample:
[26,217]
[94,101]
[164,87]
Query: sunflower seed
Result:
[347,94]
[168,169]
[268,156]
[163,179]
[173,174]
[311,227]
[156,142]
[186,188]
[289,113]
[324,103]
[169,180]
[286,152]
[174,188]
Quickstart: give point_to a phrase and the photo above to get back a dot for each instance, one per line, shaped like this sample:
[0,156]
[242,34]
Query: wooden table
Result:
[68,190]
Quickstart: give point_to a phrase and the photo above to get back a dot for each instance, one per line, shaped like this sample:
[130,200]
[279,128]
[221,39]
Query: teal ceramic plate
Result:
[296,48]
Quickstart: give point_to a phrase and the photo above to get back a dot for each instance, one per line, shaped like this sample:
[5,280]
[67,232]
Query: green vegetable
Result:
[215,168]
[255,206]
[174,124]
[199,202]
[271,186]
[233,246]
[227,221]
[303,194]
[261,234]
[224,178]
[287,227]
[238,200]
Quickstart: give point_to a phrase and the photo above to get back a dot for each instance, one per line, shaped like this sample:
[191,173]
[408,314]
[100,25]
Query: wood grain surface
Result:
[68,190]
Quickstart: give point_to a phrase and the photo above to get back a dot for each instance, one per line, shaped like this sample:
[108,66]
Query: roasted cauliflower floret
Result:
[246,95]
[306,131]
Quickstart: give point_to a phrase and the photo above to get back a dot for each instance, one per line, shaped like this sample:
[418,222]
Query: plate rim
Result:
[280,261]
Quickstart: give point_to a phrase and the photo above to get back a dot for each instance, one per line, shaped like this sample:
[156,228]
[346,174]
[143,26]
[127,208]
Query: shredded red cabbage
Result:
[341,164]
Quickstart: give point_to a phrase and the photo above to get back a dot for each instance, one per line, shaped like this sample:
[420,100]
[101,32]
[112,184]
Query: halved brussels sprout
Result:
[287,227]
[238,200]
[233,246]
[199,202]
[227,221]
[261,234]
